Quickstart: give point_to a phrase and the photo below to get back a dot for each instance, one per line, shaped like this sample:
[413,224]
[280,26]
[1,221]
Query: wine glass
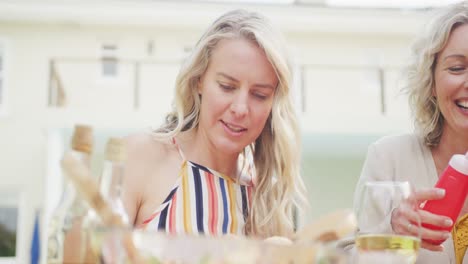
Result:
[376,241]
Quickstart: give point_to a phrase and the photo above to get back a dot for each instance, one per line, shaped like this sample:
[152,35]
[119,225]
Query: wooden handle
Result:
[88,189]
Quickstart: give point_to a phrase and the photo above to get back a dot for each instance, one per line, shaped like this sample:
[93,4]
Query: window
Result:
[109,60]
[8,222]
[12,208]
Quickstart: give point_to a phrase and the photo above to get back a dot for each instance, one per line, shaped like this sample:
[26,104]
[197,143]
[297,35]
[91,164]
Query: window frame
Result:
[16,197]
[109,56]
[4,52]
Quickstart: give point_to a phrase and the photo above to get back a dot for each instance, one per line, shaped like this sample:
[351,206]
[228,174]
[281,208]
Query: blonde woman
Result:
[438,94]
[227,159]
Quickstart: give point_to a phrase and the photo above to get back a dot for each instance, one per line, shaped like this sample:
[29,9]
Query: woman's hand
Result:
[406,214]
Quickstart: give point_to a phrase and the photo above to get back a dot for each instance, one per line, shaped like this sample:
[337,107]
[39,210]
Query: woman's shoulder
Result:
[396,157]
[399,142]
[150,172]
[144,142]
[403,149]
[143,145]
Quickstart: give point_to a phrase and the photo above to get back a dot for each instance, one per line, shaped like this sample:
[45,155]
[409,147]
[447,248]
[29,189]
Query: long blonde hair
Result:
[276,152]
[420,84]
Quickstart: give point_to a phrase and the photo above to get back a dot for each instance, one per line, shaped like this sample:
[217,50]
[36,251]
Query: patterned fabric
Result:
[460,238]
[204,202]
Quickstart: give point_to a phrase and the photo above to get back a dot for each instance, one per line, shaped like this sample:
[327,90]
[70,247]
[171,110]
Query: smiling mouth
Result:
[463,104]
[234,128]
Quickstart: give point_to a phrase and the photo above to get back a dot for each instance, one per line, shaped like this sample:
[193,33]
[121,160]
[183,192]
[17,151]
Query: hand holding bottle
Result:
[404,216]
[454,180]
[440,206]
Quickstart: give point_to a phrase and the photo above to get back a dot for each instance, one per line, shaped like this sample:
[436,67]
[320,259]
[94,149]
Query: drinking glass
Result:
[376,241]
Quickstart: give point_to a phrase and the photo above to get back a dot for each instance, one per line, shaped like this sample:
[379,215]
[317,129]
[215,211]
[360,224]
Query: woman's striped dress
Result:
[204,202]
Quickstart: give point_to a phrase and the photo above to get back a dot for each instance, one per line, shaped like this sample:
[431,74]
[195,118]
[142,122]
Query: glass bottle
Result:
[63,241]
[99,237]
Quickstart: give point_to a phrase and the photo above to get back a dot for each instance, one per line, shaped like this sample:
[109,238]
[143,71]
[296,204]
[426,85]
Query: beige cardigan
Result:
[406,158]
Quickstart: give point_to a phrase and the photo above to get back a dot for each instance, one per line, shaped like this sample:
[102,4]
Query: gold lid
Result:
[82,139]
[115,150]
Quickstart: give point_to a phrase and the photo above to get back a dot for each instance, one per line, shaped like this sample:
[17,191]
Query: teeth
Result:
[463,103]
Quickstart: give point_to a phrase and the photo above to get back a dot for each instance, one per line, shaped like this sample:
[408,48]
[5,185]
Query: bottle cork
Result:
[115,150]
[82,139]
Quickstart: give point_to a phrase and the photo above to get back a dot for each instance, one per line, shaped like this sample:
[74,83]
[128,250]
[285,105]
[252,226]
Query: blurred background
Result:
[112,64]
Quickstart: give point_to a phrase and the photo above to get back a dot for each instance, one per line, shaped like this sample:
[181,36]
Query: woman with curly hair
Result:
[437,84]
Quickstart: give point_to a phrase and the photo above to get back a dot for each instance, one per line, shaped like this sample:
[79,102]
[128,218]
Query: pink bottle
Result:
[454,180]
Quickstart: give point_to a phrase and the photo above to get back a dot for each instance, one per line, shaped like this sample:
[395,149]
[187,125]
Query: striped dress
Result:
[204,202]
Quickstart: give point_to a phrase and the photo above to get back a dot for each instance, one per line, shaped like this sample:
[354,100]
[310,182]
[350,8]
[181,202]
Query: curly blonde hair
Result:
[428,118]
[276,152]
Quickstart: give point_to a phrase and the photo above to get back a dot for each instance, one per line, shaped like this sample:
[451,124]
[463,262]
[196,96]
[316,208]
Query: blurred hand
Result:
[406,214]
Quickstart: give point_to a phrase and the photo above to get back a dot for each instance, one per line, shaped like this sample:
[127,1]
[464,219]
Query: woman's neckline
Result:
[241,180]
